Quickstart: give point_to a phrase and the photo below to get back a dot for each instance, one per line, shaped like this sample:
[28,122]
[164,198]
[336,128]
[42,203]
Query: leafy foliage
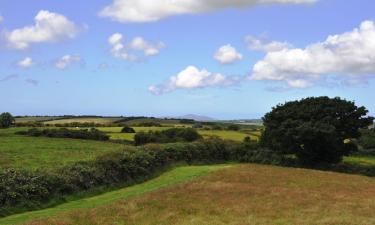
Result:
[314,129]
[167,136]
[6,120]
[127,129]
[92,134]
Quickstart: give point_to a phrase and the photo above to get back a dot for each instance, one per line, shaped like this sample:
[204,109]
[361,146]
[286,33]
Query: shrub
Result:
[6,120]
[127,129]
[167,136]
[367,140]
[92,134]
[234,127]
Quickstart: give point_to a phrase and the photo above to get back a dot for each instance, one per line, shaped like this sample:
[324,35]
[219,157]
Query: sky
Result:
[224,59]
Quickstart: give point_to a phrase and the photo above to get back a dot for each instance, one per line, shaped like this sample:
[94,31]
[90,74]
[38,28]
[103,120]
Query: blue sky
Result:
[227,60]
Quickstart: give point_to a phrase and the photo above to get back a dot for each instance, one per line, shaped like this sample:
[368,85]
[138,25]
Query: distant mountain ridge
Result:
[197,117]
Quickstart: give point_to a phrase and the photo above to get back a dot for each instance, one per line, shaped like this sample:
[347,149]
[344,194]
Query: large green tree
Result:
[316,130]
[6,120]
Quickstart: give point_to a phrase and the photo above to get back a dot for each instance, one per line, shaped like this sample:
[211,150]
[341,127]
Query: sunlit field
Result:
[245,194]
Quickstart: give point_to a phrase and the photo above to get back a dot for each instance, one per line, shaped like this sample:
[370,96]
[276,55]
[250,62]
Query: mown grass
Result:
[33,153]
[177,175]
[245,194]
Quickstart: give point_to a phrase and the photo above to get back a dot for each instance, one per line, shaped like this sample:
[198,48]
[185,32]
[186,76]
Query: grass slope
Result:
[172,177]
[32,153]
[98,120]
[245,194]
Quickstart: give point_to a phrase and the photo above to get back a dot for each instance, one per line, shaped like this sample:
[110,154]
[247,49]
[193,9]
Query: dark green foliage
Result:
[167,136]
[148,124]
[234,127]
[367,140]
[314,129]
[127,129]
[92,134]
[6,120]
[197,126]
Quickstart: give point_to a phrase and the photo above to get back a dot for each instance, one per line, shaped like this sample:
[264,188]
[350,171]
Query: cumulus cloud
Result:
[128,51]
[26,62]
[227,54]
[68,60]
[48,27]
[192,78]
[148,11]
[349,56]
[263,45]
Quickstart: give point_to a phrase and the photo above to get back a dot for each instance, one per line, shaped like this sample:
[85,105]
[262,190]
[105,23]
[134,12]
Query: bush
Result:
[6,120]
[92,134]
[167,136]
[148,124]
[367,140]
[234,127]
[127,129]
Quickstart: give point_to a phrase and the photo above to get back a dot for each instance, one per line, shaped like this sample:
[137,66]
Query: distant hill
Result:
[197,117]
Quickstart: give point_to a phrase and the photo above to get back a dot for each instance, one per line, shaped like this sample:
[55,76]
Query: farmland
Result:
[241,194]
[187,194]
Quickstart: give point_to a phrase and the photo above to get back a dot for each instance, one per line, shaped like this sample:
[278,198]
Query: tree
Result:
[316,130]
[234,127]
[127,129]
[6,120]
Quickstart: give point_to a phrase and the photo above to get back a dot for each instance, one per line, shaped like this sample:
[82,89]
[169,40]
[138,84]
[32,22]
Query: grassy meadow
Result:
[241,194]
[170,178]
[33,153]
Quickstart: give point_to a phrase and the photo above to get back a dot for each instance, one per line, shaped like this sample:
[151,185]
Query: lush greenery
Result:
[90,134]
[26,190]
[127,129]
[241,194]
[167,136]
[315,129]
[167,179]
[6,120]
[367,140]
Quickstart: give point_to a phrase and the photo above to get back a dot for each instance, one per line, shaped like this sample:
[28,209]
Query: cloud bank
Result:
[148,11]
[349,56]
[48,27]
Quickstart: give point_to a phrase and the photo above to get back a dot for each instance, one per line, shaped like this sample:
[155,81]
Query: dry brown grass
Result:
[246,194]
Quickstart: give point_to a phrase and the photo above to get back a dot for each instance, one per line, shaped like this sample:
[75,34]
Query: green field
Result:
[84,120]
[44,153]
[178,175]
[243,194]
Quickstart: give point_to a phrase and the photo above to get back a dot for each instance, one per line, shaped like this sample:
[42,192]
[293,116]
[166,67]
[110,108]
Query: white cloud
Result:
[26,62]
[192,78]
[149,11]
[259,44]
[48,27]
[67,60]
[119,49]
[227,54]
[350,57]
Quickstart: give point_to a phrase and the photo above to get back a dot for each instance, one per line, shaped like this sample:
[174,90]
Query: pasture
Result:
[33,153]
[242,194]
[98,120]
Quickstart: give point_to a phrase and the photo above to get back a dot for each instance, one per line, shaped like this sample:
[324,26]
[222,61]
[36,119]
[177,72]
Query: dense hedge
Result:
[167,136]
[127,129]
[367,140]
[29,190]
[92,134]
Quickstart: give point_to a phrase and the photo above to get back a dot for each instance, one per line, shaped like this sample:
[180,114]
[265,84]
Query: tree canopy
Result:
[316,129]
[6,120]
